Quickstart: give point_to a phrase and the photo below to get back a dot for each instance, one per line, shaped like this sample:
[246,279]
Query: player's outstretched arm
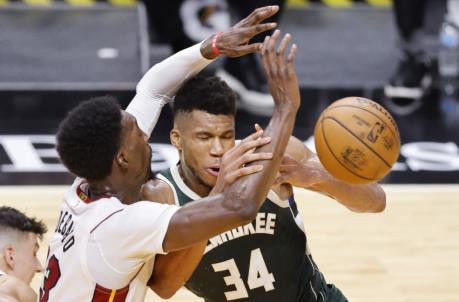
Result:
[239,203]
[171,271]
[161,82]
[301,168]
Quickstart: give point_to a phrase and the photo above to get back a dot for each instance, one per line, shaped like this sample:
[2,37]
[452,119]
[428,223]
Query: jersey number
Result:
[258,276]
[52,275]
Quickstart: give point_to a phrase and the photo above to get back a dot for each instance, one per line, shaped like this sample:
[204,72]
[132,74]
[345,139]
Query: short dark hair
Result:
[206,93]
[89,137]
[16,220]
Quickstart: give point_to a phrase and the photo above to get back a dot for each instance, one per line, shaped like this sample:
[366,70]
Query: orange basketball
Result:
[357,140]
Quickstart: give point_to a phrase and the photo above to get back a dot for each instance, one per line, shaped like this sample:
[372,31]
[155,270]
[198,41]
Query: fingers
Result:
[258,127]
[291,59]
[283,45]
[260,14]
[231,177]
[245,49]
[245,146]
[248,145]
[264,55]
[253,136]
[262,28]
[251,157]
[268,54]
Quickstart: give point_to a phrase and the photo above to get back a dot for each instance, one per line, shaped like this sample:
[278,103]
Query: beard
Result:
[199,179]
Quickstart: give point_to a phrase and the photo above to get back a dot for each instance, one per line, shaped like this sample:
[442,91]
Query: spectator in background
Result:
[414,73]
[411,77]
[19,236]
[182,23]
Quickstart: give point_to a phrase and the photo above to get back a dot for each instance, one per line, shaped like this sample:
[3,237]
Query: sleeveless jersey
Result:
[266,260]
[103,250]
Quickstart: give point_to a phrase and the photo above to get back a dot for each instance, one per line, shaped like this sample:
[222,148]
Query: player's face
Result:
[136,149]
[25,258]
[204,138]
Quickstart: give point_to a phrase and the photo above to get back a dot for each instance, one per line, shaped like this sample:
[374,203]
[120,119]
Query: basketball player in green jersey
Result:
[268,259]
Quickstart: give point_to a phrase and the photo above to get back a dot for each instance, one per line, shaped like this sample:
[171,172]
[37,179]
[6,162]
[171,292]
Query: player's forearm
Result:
[161,82]
[251,190]
[358,198]
[166,77]
[171,271]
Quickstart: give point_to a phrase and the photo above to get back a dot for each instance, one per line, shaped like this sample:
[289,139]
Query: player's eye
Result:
[203,136]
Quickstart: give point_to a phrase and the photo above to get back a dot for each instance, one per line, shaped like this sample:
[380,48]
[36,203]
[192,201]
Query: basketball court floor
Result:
[407,253]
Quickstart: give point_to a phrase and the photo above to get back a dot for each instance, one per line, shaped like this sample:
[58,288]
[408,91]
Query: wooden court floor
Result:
[409,253]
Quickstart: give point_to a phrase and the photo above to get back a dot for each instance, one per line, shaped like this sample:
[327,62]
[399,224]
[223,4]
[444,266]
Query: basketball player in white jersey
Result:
[19,237]
[106,239]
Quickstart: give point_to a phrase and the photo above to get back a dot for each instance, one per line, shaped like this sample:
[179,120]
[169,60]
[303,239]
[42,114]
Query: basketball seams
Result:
[336,158]
[395,132]
[358,138]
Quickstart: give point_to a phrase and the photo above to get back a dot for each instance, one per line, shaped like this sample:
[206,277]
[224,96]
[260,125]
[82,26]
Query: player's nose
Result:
[217,148]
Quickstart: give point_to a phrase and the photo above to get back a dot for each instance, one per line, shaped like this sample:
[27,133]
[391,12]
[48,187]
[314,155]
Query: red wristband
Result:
[214,44]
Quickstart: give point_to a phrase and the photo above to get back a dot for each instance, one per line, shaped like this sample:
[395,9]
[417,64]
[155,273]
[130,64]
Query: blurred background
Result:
[53,54]
[403,54]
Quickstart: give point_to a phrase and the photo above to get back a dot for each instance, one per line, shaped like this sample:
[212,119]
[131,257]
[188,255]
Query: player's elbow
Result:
[378,203]
[248,214]
[163,291]
[380,206]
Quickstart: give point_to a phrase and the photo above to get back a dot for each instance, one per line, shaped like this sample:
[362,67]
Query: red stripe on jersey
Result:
[84,196]
[102,294]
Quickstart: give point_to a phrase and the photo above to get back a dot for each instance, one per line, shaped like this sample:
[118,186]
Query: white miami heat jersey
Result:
[103,250]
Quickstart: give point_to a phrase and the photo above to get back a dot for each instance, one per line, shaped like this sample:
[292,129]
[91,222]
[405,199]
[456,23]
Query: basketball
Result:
[357,140]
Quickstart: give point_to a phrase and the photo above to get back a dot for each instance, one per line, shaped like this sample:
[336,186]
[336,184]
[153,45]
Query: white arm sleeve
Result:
[159,85]
[119,246]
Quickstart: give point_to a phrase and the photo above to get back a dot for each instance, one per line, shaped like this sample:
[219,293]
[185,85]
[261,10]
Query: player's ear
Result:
[175,138]
[8,255]
[121,160]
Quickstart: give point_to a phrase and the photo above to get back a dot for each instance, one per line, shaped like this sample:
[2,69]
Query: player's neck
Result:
[193,182]
[125,193]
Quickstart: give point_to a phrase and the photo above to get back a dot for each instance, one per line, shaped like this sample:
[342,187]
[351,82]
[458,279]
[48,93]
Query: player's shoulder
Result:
[157,190]
[16,290]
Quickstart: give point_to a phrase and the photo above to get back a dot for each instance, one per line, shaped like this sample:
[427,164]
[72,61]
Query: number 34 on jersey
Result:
[258,276]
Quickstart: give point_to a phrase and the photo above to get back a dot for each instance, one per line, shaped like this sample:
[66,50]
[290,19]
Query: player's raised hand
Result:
[301,174]
[234,42]
[280,70]
[233,162]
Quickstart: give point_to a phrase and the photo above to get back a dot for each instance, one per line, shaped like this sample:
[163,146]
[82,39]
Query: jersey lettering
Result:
[264,223]
[65,227]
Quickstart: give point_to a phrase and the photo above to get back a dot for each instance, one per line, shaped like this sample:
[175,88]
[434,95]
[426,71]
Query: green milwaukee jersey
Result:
[266,260]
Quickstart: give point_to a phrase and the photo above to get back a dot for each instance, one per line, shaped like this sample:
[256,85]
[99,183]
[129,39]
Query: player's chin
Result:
[210,178]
